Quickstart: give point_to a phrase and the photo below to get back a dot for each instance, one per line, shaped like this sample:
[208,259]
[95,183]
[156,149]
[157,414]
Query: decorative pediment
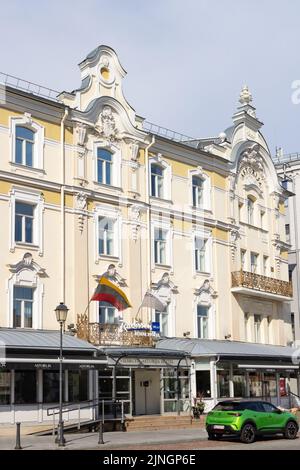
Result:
[206,293]
[251,166]
[164,288]
[28,264]
[112,274]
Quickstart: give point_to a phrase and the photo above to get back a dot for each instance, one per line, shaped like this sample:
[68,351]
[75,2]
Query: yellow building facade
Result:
[89,188]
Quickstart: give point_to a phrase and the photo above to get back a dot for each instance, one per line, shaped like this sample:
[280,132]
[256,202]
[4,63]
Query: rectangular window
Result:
[106,236]
[78,385]
[293,326]
[162,319]
[24,222]
[24,146]
[51,386]
[265,265]
[202,321]
[104,166]
[250,210]
[243,259]
[25,386]
[23,307]
[257,328]
[262,219]
[160,246]
[157,180]
[287,233]
[5,392]
[200,254]
[254,262]
[107,313]
[197,185]
[246,318]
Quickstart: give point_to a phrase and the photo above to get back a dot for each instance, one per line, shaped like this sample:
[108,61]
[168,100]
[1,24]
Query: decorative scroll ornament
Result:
[81,205]
[27,262]
[135,217]
[81,133]
[134,147]
[206,292]
[107,124]
[234,236]
[251,165]
[112,274]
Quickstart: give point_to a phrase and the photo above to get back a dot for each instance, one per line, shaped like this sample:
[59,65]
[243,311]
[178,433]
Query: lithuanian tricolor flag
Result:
[106,291]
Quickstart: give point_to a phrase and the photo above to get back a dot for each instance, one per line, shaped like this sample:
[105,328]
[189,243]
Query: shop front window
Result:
[5,393]
[171,386]
[239,384]
[25,387]
[203,383]
[269,387]
[51,387]
[255,384]
[78,385]
[223,383]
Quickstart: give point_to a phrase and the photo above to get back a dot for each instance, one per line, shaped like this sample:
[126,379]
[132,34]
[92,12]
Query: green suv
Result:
[248,419]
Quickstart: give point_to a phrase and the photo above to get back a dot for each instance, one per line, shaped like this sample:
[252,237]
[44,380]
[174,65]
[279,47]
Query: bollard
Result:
[100,440]
[18,437]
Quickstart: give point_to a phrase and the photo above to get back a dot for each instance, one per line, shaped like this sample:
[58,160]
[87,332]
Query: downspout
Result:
[149,213]
[62,203]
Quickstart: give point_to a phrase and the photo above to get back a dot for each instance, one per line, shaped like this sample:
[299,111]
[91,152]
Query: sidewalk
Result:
[89,441]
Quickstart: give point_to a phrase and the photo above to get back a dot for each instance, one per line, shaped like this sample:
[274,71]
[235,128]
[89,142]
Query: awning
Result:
[146,357]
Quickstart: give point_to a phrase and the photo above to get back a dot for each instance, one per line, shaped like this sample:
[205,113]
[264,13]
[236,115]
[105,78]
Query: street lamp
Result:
[61,312]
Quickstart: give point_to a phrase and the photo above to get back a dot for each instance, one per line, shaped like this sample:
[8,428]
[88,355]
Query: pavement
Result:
[89,441]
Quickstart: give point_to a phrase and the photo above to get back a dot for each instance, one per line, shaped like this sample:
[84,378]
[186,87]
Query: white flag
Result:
[152,301]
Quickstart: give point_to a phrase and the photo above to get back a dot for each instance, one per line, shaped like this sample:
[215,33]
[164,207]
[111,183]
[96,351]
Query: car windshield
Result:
[234,406]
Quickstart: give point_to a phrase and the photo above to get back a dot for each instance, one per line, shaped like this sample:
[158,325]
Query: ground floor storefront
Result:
[147,380]
[228,369]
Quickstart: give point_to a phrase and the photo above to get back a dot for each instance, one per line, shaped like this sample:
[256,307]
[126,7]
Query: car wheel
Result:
[248,433]
[291,430]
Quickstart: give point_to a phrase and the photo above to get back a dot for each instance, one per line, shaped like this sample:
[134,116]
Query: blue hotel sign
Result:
[155,326]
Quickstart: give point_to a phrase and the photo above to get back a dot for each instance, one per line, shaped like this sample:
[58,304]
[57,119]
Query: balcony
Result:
[244,282]
[111,334]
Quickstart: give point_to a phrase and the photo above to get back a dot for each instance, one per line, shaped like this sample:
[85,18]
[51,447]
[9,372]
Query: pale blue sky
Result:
[186,59]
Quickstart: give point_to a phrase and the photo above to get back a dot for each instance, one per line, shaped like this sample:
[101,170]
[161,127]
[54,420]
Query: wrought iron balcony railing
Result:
[261,283]
[111,334]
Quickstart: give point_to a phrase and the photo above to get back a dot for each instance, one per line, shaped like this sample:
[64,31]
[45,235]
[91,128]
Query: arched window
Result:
[104,166]
[250,210]
[24,146]
[197,189]
[157,179]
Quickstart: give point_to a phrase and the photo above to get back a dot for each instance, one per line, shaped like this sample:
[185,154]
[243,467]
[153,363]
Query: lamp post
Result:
[61,312]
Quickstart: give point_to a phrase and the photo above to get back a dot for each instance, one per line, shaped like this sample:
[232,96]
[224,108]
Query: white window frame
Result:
[167,176]
[39,141]
[207,307]
[208,251]
[116,314]
[113,221]
[250,212]
[168,323]
[206,189]
[169,248]
[256,256]
[116,163]
[26,277]
[22,307]
[257,327]
[34,198]
[114,215]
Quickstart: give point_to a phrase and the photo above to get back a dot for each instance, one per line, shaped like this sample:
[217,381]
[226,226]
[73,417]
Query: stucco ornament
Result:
[81,205]
[107,124]
[251,165]
[135,218]
[245,96]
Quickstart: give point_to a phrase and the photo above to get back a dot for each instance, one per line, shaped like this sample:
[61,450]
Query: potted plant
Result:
[198,406]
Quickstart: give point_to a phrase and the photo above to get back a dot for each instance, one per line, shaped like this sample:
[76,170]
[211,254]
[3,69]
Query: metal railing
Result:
[261,283]
[116,411]
[170,134]
[289,157]
[28,87]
